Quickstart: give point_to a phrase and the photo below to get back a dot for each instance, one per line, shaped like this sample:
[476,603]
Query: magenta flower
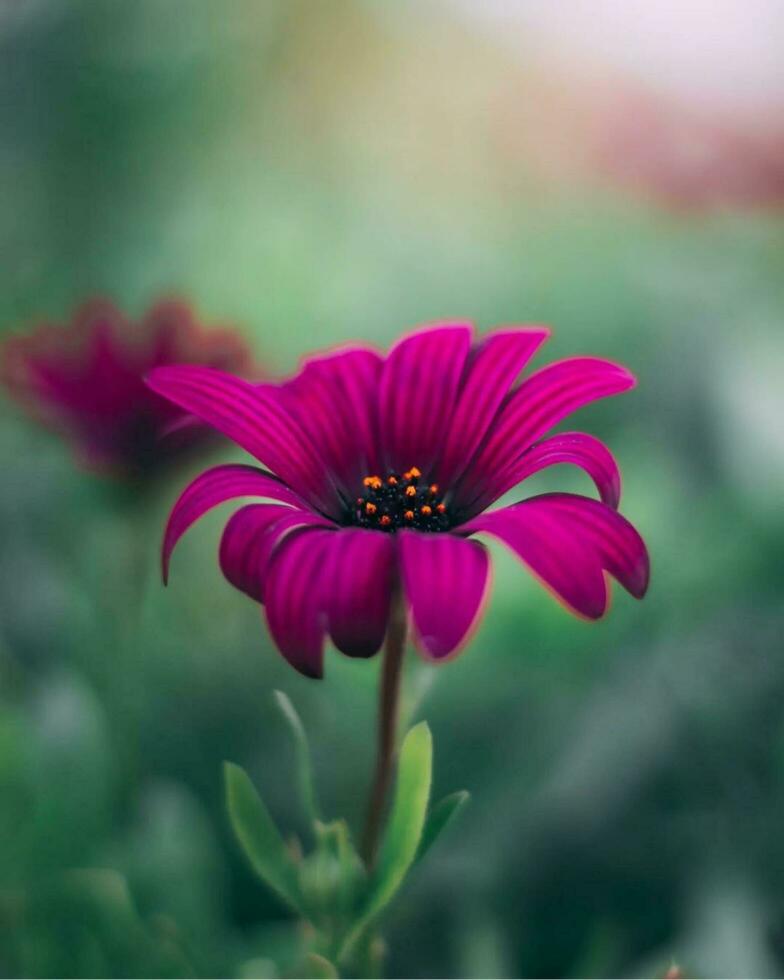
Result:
[382,469]
[86,381]
[693,157]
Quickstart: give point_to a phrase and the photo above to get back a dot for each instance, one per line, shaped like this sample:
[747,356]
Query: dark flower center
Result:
[400,500]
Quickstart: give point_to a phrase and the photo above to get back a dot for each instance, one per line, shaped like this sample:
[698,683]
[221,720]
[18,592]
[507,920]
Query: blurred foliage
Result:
[316,173]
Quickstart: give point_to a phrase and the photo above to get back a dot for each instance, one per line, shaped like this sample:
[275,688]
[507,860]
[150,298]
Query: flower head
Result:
[381,469]
[86,381]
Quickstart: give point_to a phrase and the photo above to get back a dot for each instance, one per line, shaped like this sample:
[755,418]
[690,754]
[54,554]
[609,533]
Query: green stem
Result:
[388,709]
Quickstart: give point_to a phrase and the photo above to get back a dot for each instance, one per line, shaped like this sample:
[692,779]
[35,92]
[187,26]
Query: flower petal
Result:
[214,487]
[541,401]
[252,416]
[250,537]
[419,384]
[445,579]
[335,400]
[294,599]
[360,572]
[492,368]
[576,448]
[176,337]
[621,550]
[562,559]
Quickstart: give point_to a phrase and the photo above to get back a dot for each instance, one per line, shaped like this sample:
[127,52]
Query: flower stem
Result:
[388,710]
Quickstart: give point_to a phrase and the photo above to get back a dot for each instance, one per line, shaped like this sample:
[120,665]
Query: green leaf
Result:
[333,876]
[404,831]
[371,956]
[319,968]
[439,818]
[407,818]
[302,749]
[258,836]
[335,838]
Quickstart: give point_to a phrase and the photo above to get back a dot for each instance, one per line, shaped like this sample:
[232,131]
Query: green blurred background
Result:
[320,172]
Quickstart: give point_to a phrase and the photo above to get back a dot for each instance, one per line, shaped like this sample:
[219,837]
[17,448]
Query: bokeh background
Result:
[315,172]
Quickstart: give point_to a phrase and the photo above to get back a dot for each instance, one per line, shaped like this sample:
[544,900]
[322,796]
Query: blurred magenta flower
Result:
[86,380]
[689,156]
[382,469]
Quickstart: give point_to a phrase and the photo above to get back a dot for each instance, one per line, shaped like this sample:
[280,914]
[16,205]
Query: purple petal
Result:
[621,550]
[254,418]
[575,448]
[178,423]
[540,402]
[212,488]
[445,579]
[419,384]
[335,400]
[492,368]
[360,569]
[562,559]
[294,597]
[249,539]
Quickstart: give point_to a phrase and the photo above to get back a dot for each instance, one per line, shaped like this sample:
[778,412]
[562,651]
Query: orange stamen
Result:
[411,491]
[434,488]
[386,520]
[409,515]
[370,508]
[392,481]
[427,511]
[441,508]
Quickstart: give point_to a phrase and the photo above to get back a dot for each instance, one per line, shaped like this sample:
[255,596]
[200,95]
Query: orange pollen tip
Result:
[409,515]
[441,508]
[414,472]
[434,488]
[370,508]
[386,520]
[392,481]
[411,491]
[372,481]
[427,511]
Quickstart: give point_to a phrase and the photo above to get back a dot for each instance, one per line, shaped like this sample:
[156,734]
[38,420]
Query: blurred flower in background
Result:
[86,381]
[680,102]
[689,156]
